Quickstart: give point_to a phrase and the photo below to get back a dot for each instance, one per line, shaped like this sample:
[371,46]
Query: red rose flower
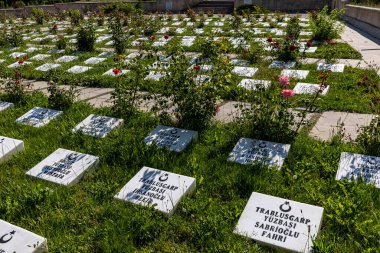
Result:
[309,43]
[166,36]
[293,47]
[270,39]
[197,67]
[20,62]
[116,71]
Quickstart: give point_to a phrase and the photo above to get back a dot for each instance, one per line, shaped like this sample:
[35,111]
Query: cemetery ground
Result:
[86,217]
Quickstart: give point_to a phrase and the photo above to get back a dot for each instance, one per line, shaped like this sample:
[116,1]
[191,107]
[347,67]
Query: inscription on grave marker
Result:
[155,187]
[64,166]
[355,166]
[280,222]
[175,139]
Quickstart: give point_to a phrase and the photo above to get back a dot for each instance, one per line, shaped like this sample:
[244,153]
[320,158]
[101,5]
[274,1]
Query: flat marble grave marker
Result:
[48,66]
[300,74]
[331,67]
[38,116]
[245,71]
[248,151]
[94,60]
[252,84]
[309,88]
[64,167]
[67,58]
[14,239]
[9,147]
[40,57]
[282,64]
[19,64]
[111,73]
[78,69]
[5,105]
[353,166]
[161,189]
[175,139]
[98,126]
[279,222]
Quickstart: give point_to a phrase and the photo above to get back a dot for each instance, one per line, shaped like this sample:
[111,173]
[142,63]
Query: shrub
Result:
[39,15]
[15,88]
[86,38]
[324,26]
[61,42]
[293,29]
[125,8]
[126,91]
[118,36]
[60,98]
[14,38]
[75,17]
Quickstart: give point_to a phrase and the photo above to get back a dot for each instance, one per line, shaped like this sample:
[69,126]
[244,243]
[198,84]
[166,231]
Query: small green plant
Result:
[369,139]
[324,26]
[61,42]
[86,38]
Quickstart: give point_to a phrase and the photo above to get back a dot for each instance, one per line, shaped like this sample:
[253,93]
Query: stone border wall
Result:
[362,17]
[287,5]
[149,6]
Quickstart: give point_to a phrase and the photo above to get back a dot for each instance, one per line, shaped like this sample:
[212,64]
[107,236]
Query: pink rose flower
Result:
[284,80]
[287,93]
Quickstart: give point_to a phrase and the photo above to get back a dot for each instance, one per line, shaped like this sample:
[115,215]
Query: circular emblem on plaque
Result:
[262,145]
[7,237]
[372,160]
[72,156]
[164,177]
[174,131]
[285,207]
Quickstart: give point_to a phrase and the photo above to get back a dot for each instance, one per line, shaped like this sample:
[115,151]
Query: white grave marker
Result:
[355,166]
[14,239]
[331,67]
[252,84]
[40,57]
[300,74]
[309,88]
[67,58]
[19,64]
[94,60]
[245,71]
[248,151]
[64,167]
[175,139]
[161,189]
[38,117]
[279,222]
[5,105]
[9,147]
[78,69]
[48,66]
[98,126]
[282,64]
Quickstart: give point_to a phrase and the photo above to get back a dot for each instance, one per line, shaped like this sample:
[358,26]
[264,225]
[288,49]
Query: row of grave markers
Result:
[271,220]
